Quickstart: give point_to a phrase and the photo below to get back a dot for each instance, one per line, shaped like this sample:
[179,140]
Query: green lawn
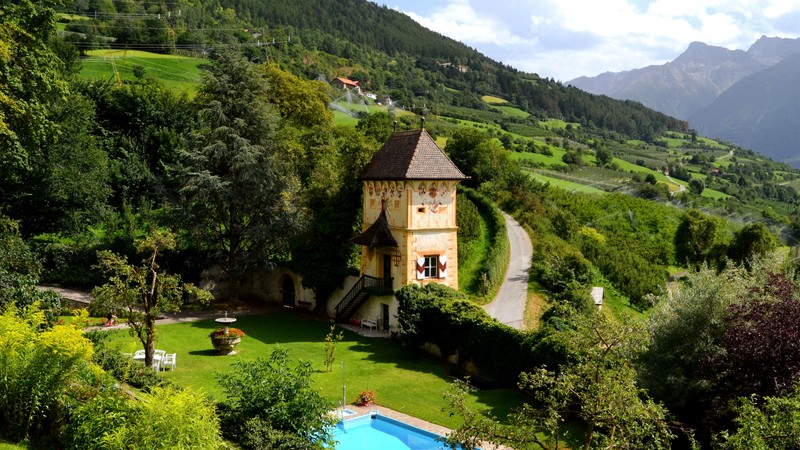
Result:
[407,380]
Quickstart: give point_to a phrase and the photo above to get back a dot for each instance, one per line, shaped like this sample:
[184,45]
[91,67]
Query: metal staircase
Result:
[365,287]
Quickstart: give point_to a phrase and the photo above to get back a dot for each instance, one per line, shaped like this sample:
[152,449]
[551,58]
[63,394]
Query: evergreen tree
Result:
[238,196]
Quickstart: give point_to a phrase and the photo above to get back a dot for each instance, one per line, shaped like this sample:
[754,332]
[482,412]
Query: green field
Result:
[180,73]
[564,184]
[513,112]
[556,124]
[340,118]
[492,100]
[542,160]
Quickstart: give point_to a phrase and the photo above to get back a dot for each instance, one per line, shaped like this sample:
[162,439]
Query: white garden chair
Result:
[170,360]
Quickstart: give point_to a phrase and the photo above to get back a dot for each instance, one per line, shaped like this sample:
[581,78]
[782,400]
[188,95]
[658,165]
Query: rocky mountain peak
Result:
[771,50]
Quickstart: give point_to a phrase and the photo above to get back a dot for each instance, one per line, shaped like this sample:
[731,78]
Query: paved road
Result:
[509,305]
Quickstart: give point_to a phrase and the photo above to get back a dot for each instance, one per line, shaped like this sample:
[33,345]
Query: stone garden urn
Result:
[225,339]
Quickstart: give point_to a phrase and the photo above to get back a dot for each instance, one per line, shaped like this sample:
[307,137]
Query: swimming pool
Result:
[379,432]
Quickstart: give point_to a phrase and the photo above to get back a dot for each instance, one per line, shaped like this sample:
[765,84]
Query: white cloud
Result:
[568,38]
[459,21]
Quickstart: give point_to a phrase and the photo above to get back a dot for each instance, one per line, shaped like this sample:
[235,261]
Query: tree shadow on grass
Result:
[207,352]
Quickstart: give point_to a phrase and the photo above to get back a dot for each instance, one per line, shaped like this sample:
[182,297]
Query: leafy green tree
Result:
[479,156]
[144,125]
[273,405]
[303,103]
[322,253]
[66,187]
[46,146]
[31,81]
[604,156]
[238,196]
[696,186]
[695,237]
[377,125]
[753,240]
[686,329]
[142,293]
[768,423]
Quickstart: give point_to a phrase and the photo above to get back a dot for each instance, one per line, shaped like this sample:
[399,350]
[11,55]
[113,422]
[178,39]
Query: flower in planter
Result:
[366,397]
[231,333]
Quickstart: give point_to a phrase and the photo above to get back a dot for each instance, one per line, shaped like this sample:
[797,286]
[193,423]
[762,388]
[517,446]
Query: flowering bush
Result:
[231,333]
[366,397]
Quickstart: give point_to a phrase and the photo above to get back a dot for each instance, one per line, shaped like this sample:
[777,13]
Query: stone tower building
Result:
[410,232]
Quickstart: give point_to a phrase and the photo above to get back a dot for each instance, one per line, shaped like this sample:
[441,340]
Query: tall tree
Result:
[239,196]
[323,253]
[143,292]
[754,240]
[695,237]
[31,79]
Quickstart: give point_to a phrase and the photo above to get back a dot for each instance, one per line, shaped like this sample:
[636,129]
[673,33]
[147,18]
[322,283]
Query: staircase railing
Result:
[365,285]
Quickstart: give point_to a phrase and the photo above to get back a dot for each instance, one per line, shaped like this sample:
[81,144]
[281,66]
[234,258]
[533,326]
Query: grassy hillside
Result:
[174,71]
[539,144]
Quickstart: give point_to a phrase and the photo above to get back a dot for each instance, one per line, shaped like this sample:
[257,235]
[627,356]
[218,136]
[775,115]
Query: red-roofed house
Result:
[344,83]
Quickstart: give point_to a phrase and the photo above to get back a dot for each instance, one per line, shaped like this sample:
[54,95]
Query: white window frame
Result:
[431,266]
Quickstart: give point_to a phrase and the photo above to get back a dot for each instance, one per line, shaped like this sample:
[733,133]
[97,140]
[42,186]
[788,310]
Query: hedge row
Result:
[439,315]
[496,262]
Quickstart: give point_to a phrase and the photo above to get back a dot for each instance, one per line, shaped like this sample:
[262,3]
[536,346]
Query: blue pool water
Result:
[383,433]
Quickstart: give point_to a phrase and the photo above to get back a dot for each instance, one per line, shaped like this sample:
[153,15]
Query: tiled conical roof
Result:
[377,235]
[411,155]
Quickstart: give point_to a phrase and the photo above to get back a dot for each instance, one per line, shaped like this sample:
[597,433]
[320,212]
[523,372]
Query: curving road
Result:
[508,306]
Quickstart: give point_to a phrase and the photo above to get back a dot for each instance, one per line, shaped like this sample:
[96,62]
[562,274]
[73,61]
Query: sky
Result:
[565,39]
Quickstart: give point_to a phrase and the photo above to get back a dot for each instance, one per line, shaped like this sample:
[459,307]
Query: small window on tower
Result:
[431,267]
[421,209]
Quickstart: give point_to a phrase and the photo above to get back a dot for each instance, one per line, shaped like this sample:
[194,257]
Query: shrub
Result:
[101,416]
[496,262]
[366,397]
[167,418]
[280,396]
[114,362]
[258,434]
[145,378]
[36,369]
[439,315]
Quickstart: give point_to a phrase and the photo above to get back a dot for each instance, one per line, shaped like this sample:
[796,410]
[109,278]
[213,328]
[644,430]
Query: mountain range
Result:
[750,98]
